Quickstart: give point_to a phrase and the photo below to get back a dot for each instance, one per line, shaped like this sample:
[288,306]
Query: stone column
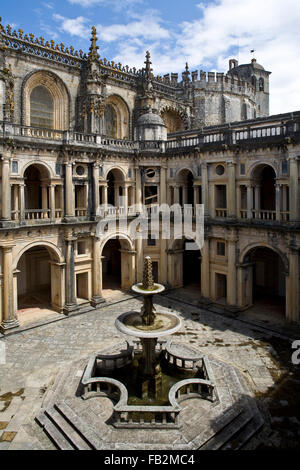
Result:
[9,317]
[70,209]
[96,189]
[205,269]
[176,194]
[231,273]
[257,196]
[163,185]
[249,201]
[138,189]
[205,198]
[22,201]
[16,202]
[52,202]
[231,189]
[44,197]
[294,189]
[104,194]
[97,273]
[196,195]
[6,190]
[125,196]
[277,200]
[292,286]
[71,302]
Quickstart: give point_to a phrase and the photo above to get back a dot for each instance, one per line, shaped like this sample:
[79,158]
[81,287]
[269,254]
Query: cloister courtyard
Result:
[259,349]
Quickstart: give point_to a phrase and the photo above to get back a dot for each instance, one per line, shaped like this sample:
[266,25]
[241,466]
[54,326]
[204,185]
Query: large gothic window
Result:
[41,108]
[110,117]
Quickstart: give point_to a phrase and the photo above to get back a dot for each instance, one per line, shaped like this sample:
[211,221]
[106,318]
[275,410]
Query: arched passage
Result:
[39,286]
[185,266]
[264,196]
[115,186]
[118,266]
[185,180]
[265,280]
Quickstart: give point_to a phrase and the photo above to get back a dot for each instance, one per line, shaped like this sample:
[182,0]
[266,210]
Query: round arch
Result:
[255,169]
[119,114]
[54,252]
[263,279]
[247,251]
[182,170]
[125,241]
[45,169]
[175,119]
[58,91]
[118,262]
[115,167]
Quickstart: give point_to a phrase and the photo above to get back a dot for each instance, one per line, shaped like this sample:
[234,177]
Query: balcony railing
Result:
[264,214]
[80,212]
[37,214]
[221,212]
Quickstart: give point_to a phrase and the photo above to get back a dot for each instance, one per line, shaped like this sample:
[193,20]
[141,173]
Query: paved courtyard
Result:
[34,356]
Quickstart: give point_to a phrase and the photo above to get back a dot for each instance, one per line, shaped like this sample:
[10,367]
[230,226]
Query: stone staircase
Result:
[66,430]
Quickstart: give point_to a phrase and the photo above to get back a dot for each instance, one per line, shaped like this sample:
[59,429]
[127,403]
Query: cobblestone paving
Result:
[34,357]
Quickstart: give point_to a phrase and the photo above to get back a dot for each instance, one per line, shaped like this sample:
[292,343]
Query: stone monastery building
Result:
[78,131]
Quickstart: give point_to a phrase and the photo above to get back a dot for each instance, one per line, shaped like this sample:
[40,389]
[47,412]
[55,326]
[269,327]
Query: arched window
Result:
[110,117]
[41,108]
[261,84]
[253,80]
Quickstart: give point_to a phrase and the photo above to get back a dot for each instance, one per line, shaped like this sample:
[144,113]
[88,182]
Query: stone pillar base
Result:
[69,218]
[97,300]
[7,223]
[69,308]
[7,325]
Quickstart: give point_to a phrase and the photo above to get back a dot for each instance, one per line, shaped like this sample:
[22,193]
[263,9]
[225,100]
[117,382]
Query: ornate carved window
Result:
[41,108]
[110,117]
[45,101]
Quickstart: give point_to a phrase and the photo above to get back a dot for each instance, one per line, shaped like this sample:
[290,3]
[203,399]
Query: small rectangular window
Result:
[58,168]
[129,173]
[100,171]
[284,167]
[81,248]
[171,172]
[220,248]
[14,167]
[242,169]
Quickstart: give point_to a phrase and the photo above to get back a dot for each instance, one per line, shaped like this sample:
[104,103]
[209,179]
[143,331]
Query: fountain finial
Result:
[148,283]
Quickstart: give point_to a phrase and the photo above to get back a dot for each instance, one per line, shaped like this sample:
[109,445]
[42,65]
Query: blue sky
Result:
[206,34]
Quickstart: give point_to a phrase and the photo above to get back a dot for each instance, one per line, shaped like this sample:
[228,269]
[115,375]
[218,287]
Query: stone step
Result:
[67,429]
[53,433]
[82,428]
[219,423]
[251,429]
[221,439]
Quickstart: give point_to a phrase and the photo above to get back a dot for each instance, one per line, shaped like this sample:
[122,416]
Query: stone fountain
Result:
[152,374]
[165,394]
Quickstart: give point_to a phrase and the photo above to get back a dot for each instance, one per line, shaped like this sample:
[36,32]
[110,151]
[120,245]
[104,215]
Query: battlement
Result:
[221,82]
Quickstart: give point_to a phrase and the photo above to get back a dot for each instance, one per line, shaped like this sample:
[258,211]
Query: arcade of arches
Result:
[42,280]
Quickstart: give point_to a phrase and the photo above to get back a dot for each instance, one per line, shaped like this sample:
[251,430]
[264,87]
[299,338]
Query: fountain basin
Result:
[130,323]
[139,289]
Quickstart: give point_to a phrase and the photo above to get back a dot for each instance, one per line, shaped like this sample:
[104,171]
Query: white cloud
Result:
[146,26]
[75,27]
[115,4]
[271,27]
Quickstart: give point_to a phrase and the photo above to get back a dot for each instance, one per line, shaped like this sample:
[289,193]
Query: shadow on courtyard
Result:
[282,399]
